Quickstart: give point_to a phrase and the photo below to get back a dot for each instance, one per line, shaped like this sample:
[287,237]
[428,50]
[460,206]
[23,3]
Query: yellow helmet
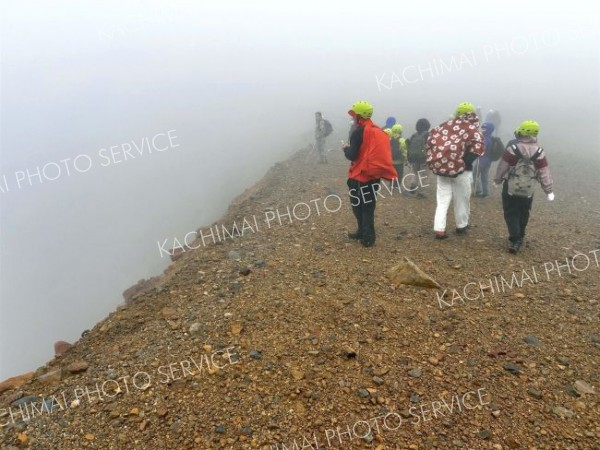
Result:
[362,109]
[397,129]
[464,108]
[528,128]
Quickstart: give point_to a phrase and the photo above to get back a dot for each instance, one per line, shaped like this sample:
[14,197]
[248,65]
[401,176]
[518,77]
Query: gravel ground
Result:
[292,336]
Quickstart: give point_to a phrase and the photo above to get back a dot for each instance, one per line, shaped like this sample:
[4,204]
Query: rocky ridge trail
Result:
[274,339]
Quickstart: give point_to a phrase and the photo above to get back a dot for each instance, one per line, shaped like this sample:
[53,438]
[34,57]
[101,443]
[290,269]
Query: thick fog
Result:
[127,123]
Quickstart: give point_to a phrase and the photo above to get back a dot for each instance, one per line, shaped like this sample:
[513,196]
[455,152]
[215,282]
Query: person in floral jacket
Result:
[451,149]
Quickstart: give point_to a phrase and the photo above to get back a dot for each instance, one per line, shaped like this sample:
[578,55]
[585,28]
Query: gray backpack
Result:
[523,176]
[416,148]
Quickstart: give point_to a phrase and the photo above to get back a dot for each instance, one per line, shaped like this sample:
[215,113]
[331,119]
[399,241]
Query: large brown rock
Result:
[60,347]
[407,272]
[78,366]
[51,378]
[139,288]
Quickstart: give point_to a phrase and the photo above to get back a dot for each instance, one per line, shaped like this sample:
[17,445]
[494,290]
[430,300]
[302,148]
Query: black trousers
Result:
[363,199]
[400,171]
[516,214]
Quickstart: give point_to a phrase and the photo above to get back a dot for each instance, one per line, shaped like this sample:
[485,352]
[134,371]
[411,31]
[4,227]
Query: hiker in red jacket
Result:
[451,149]
[522,166]
[371,155]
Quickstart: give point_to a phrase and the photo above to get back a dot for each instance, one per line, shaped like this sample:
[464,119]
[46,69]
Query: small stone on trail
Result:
[535,393]
[563,412]
[564,360]
[584,388]
[484,434]
[532,340]
[512,368]
[363,393]
[168,313]
[415,373]
[255,354]
[195,328]
[234,255]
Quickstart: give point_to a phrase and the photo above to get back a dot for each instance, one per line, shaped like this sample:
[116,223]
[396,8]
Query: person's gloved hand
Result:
[551,196]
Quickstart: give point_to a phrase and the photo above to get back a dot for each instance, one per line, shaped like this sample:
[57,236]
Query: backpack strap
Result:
[517,151]
[519,154]
[537,154]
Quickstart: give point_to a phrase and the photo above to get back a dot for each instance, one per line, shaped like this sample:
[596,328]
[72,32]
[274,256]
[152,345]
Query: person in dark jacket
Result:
[481,167]
[416,153]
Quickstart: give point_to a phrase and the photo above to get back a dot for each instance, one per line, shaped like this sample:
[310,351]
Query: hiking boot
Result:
[355,236]
[367,242]
[462,231]
[440,235]
[514,247]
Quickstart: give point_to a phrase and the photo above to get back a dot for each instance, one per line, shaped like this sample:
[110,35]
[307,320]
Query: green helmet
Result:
[397,129]
[362,109]
[528,128]
[464,108]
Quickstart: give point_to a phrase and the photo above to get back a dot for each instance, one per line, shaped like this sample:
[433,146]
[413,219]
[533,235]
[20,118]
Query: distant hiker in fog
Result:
[389,122]
[399,150]
[493,117]
[370,152]
[451,149]
[323,129]
[493,150]
[523,165]
[416,151]
[352,128]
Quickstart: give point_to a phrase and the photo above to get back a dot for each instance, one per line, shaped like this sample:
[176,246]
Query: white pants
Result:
[458,188]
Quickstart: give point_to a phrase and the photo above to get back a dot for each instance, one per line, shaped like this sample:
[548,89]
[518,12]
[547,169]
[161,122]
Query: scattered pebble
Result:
[255,354]
[484,434]
[564,360]
[233,255]
[512,368]
[530,339]
[415,373]
[535,393]
[363,393]
[584,388]
[563,412]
